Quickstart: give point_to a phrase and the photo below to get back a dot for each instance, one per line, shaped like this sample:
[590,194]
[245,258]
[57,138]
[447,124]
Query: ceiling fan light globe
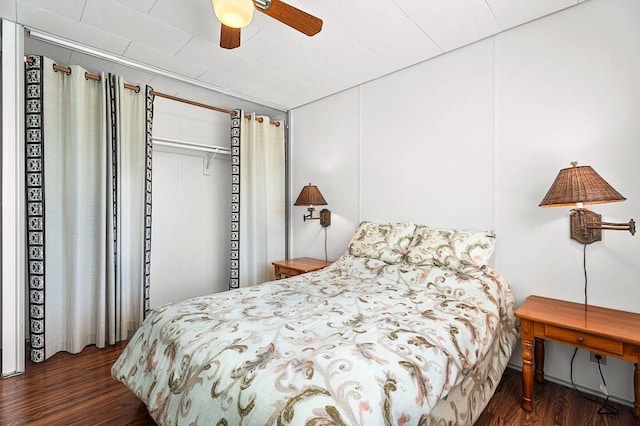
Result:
[234,13]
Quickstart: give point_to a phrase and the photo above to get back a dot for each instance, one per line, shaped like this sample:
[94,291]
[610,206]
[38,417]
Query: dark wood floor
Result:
[71,390]
[79,390]
[552,405]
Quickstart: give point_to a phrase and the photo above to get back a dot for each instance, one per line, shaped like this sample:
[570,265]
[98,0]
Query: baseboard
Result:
[584,389]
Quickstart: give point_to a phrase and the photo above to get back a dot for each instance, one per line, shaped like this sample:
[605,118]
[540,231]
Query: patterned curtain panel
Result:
[88,162]
[258,198]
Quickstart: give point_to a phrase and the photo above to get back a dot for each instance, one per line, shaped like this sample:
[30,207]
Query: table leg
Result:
[539,359]
[636,389]
[526,334]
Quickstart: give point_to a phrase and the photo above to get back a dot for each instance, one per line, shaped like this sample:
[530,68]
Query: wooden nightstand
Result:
[600,330]
[297,266]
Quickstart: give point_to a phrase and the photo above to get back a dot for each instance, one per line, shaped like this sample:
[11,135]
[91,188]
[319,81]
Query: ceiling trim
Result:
[92,51]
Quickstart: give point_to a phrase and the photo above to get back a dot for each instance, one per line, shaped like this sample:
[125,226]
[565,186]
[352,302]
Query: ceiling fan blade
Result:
[293,17]
[229,37]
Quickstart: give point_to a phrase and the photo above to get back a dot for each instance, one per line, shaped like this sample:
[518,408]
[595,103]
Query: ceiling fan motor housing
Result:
[262,4]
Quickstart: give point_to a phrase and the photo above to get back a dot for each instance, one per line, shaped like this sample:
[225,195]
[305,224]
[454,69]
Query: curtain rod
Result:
[136,89]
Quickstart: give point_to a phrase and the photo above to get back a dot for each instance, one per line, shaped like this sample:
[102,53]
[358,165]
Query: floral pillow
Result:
[451,248]
[388,242]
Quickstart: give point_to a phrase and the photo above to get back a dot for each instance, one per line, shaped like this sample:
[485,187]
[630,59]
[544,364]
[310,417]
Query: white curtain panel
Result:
[76,227]
[262,199]
[86,268]
[128,143]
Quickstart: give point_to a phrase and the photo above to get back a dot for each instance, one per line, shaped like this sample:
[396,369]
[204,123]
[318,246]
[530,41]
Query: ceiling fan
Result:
[236,14]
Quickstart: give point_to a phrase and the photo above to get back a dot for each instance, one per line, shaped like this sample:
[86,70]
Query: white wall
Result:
[191,210]
[474,138]
[324,151]
[436,154]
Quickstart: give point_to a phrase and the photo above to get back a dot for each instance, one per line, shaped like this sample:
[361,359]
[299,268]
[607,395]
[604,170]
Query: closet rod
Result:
[136,89]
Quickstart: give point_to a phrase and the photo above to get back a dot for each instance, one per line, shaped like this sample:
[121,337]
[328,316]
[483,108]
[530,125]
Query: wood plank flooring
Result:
[553,404]
[78,390]
[71,390]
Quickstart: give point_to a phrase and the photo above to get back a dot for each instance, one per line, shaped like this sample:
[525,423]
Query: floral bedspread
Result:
[361,342]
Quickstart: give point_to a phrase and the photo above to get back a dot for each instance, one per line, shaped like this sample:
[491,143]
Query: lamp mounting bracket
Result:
[325,218]
[584,226]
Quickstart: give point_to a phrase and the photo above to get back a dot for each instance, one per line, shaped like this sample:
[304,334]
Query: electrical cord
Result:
[607,408]
[584,268]
[325,245]
[584,395]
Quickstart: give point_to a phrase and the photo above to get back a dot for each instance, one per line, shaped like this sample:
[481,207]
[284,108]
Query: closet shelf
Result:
[211,152]
[175,143]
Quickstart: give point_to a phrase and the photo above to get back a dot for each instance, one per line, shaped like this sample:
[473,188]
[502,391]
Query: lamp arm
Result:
[613,226]
[309,216]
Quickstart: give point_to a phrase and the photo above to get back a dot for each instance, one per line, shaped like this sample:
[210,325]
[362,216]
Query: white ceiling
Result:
[275,66]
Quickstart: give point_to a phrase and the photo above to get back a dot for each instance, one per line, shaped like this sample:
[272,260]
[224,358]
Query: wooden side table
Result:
[297,266]
[600,330]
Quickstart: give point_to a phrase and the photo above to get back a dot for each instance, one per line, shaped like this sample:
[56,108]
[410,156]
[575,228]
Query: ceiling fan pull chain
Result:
[263,4]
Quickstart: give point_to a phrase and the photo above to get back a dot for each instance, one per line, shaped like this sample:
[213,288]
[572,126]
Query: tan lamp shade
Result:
[234,13]
[310,196]
[579,184]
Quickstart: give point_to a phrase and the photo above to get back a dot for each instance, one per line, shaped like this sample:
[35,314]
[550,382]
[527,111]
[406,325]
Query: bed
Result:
[409,327]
